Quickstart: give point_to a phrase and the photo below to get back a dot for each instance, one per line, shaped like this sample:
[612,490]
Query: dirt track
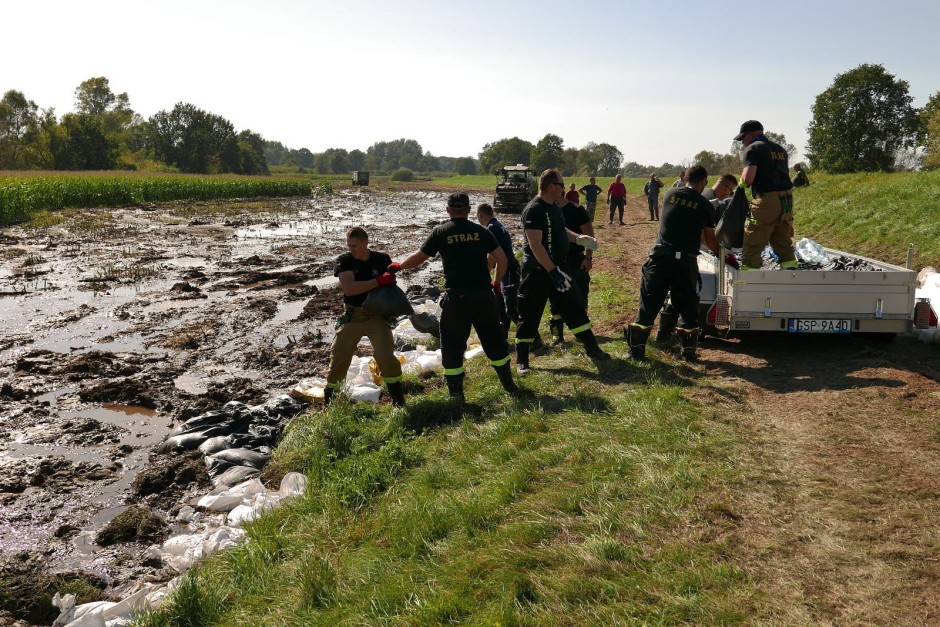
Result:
[836,518]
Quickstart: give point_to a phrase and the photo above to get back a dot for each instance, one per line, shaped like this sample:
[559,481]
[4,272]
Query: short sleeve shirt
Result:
[576,217]
[773,171]
[371,268]
[502,236]
[685,213]
[546,217]
[463,246]
[617,190]
[591,192]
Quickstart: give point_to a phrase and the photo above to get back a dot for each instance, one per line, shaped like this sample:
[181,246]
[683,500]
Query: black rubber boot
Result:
[504,373]
[522,357]
[455,386]
[636,338]
[688,338]
[557,327]
[328,393]
[667,325]
[396,393]
[590,346]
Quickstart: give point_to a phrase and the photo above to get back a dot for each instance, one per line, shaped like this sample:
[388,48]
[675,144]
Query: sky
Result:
[661,81]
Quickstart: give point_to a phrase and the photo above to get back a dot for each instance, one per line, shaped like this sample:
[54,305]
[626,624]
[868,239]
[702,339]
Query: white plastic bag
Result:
[809,251]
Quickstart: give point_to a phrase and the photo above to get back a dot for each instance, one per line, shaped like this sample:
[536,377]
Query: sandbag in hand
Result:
[386,279]
[589,243]
[560,280]
[394,267]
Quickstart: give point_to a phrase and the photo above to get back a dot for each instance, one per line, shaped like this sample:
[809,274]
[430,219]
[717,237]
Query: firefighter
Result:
[359,271]
[687,219]
[469,297]
[547,240]
[577,263]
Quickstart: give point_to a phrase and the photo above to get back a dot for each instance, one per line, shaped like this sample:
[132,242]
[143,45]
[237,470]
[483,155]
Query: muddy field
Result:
[119,324]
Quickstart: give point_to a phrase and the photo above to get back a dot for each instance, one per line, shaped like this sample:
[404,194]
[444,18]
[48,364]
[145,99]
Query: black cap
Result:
[747,127]
[458,200]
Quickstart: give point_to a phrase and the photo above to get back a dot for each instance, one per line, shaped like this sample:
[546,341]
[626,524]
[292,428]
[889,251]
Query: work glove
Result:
[394,267]
[560,280]
[497,288]
[731,260]
[589,243]
[386,279]
[742,184]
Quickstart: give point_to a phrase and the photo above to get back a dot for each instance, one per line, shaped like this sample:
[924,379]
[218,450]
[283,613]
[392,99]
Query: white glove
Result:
[589,243]
[560,280]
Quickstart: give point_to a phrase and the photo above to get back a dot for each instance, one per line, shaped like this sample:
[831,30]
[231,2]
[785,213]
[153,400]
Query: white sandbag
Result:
[293,484]
[311,388]
[928,281]
[222,538]
[473,352]
[224,502]
[236,475]
[241,515]
[178,545]
[368,392]
[185,515]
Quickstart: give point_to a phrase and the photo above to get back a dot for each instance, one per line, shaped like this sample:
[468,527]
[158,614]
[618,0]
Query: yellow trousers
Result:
[363,322]
[770,222]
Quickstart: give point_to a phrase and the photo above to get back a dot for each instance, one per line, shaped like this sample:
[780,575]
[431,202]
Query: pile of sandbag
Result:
[928,286]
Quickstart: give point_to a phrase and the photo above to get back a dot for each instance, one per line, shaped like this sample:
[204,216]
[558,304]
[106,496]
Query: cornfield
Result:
[21,196]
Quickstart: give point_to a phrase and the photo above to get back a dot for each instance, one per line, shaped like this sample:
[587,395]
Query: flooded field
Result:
[118,324]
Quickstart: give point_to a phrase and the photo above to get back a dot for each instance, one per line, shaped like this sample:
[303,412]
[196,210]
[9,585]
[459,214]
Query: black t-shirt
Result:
[464,246]
[372,268]
[773,171]
[575,216]
[546,217]
[685,214]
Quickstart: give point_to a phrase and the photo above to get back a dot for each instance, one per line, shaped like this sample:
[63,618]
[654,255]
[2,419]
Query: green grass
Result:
[24,195]
[874,214]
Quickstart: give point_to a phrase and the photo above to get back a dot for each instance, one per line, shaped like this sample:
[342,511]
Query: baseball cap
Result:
[458,200]
[747,127]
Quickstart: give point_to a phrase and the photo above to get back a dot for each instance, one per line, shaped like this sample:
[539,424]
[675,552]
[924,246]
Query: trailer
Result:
[878,299]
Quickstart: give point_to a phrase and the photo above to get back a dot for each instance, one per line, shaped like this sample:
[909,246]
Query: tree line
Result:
[864,121]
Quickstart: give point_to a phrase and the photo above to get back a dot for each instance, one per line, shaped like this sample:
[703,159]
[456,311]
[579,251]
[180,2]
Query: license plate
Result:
[803,325]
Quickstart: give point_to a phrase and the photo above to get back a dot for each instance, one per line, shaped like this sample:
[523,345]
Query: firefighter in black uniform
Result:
[469,298]
[687,219]
[543,279]
[577,263]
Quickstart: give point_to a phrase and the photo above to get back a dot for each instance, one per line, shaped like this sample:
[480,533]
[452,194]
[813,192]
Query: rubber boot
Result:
[455,386]
[688,339]
[590,346]
[522,357]
[557,327]
[667,325]
[636,338]
[328,393]
[396,393]
[504,373]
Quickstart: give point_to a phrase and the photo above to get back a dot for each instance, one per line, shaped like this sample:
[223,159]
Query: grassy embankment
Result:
[25,194]
[599,498]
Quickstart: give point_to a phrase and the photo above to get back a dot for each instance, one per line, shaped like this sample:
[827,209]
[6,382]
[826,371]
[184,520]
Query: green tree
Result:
[19,127]
[85,144]
[465,166]
[861,121]
[548,153]
[571,162]
[391,155]
[925,116]
[932,148]
[357,160]
[251,147]
[195,141]
[610,159]
[507,151]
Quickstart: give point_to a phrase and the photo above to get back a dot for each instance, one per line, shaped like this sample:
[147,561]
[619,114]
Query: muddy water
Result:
[116,324]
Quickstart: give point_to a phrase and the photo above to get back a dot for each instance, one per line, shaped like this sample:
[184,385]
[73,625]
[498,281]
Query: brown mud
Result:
[118,324]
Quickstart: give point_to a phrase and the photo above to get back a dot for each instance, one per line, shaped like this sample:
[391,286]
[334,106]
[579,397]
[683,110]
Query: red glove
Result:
[497,288]
[394,267]
[386,279]
[731,260]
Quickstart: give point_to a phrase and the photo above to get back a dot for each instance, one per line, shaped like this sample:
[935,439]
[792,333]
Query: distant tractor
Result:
[515,188]
[360,177]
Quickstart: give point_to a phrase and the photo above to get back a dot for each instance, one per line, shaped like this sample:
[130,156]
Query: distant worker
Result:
[577,263]
[616,198]
[771,212]
[591,191]
[800,179]
[469,294]
[573,195]
[546,248]
[651,191]
[680,182]
[672,266]
[506,297]
[359,271]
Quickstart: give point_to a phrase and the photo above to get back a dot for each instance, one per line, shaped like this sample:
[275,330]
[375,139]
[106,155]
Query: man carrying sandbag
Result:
[469,295]
[359,271]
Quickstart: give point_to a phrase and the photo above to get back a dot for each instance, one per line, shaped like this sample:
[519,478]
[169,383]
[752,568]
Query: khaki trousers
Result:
[770,222]
[367,323]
